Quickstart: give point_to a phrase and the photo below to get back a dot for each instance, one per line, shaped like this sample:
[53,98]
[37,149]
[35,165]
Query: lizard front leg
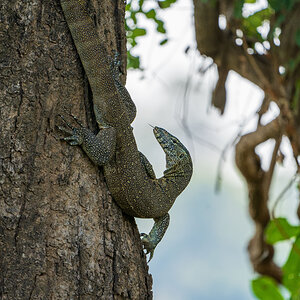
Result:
[100,148]
[157,232]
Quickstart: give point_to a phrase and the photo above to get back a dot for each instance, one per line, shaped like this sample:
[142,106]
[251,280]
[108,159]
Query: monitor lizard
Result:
[128,173]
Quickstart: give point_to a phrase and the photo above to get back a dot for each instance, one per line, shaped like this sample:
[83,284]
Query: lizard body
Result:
[129,175]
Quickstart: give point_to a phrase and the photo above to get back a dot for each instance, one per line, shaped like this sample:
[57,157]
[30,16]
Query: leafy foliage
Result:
[272,16]
[265,288]
[251,26]
[136,9]
[253,22]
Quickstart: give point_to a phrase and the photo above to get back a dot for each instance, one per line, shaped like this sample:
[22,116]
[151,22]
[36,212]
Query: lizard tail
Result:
[94,58]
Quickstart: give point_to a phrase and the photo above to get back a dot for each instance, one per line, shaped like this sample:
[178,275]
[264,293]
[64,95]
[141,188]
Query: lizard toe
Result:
[148,245]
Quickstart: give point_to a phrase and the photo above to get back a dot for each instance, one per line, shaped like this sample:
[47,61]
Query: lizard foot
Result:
[148,245]
[151,240]
[76,134]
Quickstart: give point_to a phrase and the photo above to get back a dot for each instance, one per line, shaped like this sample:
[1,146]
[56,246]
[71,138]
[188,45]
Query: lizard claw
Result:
[77,121]
[64,129]
[76,134]
[116,59]
[148,245]
[66,122]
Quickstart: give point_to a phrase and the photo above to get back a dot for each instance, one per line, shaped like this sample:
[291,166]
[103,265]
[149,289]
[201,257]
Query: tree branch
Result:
[207,28]
[213,42]
[249,163]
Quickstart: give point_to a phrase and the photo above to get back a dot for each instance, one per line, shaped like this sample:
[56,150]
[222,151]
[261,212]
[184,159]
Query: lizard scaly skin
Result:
[129,175]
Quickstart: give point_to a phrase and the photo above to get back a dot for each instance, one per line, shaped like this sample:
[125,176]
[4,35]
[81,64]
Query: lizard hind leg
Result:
[115,63]
[151,240]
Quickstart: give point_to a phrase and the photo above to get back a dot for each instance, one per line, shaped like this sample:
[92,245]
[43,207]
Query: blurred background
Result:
[204,252]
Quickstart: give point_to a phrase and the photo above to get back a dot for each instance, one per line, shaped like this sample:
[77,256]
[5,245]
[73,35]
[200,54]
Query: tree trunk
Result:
[61,234]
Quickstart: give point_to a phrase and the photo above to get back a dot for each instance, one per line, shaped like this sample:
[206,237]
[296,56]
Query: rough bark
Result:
[61,234]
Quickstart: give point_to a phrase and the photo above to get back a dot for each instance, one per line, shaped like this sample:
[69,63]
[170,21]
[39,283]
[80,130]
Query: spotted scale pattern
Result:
[94,58]
[129,175]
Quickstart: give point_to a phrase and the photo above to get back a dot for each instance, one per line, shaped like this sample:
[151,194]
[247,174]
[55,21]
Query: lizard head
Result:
[177,156]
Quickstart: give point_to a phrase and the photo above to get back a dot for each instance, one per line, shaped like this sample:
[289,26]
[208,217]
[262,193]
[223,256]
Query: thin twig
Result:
[255,66]
[222,159]
[280,196]
[185,107]
[270,172]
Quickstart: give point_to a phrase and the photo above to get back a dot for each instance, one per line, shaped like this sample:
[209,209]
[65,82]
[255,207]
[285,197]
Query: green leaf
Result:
[279,230]
[255,20]
[166,3]
[265,288]
[160,26]
[128,6]
[133,43]
[250,1]
[133,62]
[141,3]
[163,42]
[133,17]
[291,270]
[258,17]
[138,32]
[151,14]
